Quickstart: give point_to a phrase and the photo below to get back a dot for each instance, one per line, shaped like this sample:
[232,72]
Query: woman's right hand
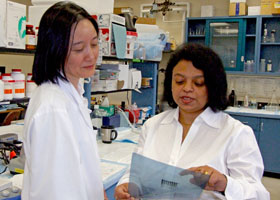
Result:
[121,192]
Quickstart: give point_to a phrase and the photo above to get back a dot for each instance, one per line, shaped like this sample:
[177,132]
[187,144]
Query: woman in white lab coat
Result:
[196,134]
[62,160]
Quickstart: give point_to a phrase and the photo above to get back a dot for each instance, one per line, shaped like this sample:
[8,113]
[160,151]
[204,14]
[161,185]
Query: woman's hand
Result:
[217,181]
[121,192]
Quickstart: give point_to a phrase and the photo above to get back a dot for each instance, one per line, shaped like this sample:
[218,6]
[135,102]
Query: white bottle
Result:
[8,86]
[1,89]
[30,85]
[19,85]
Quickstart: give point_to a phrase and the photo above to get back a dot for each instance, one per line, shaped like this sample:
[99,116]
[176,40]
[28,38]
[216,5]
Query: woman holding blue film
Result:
[197,135]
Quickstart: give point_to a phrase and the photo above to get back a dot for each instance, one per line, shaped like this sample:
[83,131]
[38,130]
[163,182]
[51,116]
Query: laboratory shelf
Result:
[4,50]
[270,44]
[15,101]
[112,91]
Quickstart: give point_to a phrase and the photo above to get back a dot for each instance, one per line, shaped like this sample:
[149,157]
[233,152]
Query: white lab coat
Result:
[62,161]
[214,139]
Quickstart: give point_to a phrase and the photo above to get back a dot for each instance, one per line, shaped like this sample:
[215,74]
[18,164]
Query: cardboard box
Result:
[237,9]
[145,20]
[254,10]
[3,24]
[120,10]
[266,7]
[237,1]
[275,8]
[16,22]
[207,11]
[105,22]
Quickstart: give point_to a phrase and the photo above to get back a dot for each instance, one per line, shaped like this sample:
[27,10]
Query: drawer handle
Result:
[261,126]
[245,122]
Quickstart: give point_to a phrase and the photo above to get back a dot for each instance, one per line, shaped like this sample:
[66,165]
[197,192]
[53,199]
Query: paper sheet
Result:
[150,179]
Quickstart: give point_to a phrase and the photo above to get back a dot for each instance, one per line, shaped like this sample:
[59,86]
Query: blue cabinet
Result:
[253,122]
[148,95]
[239,42]
[270,144]
[267,132]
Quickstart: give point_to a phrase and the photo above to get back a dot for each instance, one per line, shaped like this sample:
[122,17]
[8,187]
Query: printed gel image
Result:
[150,179]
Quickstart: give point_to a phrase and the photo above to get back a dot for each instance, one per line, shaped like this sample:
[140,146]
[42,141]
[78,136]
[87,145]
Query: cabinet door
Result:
[253,122]
[269,45]
[148,95]
[226,37]
[270,144]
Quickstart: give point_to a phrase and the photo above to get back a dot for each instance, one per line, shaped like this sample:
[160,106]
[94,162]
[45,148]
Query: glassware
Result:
[272,36]
[265,38]
[269,66]
[262,65]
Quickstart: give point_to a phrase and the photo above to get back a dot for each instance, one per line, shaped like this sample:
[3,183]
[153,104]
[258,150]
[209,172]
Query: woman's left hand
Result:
[217,180]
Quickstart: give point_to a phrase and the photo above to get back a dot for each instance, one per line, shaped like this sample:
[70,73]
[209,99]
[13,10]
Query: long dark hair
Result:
[53,40]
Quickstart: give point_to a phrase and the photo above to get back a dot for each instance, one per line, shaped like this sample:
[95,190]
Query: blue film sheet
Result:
[150,179]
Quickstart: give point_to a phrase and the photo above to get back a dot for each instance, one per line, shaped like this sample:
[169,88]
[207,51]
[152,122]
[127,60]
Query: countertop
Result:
[253,112]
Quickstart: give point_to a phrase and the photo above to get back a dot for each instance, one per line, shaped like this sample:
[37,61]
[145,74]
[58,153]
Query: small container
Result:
[30,85]
[269,66]
[19,84]
[8,86]
[36,34]
[30,43]
[262,65]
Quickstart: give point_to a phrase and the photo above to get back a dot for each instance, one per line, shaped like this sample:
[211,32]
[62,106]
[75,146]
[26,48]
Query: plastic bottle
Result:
[232,98]
[246,101]
[262,65]
[272,36]
[30,43]
[1,89]
[8,86]
[30,85]
[36,34]
[19,85]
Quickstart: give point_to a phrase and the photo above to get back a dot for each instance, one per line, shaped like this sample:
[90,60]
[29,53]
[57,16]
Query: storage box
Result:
[207,11]
[16,22]
[105,22]
[275,8]
[254,10]
[266,7]
[237,9]
[237,1]
[3,24]
[145,20]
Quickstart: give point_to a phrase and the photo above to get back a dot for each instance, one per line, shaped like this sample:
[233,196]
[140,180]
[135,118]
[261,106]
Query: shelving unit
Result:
[148,97]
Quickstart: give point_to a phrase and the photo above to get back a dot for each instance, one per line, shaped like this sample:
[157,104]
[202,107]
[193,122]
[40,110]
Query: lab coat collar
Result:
[77,97]
[208,116]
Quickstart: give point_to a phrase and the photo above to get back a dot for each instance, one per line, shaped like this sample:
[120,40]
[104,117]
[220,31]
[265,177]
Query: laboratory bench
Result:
[266,127]
[115,157]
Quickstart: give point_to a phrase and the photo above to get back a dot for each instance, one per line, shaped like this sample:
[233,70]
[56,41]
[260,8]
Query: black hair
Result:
[53,40]
[205,59]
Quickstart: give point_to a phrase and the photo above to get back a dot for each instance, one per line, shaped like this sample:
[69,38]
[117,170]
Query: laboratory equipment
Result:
[262,65]
[272,35]
[265,37]
[269,66]
[232,98]
[273,105]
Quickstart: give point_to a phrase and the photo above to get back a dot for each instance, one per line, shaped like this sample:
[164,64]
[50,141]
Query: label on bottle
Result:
[269,67]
